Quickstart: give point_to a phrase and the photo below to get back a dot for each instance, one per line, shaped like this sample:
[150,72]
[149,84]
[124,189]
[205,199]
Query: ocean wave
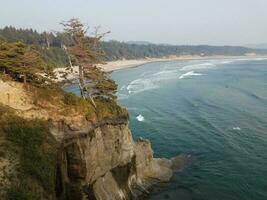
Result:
[150,81]
[164,74]
[206,65]
[227,62]
[237,128]
[188,74]
[140,85]
[140,118]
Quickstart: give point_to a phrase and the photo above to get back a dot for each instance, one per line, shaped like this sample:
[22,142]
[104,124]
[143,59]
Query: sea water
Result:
[213,110]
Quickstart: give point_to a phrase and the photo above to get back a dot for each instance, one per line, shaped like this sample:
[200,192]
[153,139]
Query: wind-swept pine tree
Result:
[85,52]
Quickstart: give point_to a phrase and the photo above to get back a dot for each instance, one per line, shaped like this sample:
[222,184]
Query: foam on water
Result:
[140,85]
[188,74]
[140,118]
[150,81]
[237,128]
[227,62]
[206,65]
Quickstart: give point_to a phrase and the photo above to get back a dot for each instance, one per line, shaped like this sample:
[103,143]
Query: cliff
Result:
[57,146]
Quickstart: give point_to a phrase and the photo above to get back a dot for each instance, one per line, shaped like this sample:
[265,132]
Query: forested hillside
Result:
[50,46]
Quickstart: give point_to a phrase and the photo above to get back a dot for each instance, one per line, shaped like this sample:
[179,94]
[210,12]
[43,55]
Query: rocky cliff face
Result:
[97,157]
[105,163]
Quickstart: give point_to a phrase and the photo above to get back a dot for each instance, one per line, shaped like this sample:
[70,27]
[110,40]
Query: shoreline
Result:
[126,64]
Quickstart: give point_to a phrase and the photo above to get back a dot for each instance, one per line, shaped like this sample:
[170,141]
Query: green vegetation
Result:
[105,109]
[31,142]
[22,63]
[109,109]
[119,50]
[50,47]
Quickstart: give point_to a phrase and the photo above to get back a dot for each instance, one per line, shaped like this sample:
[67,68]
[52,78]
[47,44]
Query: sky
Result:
[189,22]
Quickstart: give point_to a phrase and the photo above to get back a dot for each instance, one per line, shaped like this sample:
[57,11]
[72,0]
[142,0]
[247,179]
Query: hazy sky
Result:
[216,22]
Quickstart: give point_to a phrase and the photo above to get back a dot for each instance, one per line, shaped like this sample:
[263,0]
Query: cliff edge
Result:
[54,145]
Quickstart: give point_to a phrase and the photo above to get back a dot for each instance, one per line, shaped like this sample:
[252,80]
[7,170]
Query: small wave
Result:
[150,81]
[188,74]
[236,128]
[258,59]
[227,62]
[164,74]
[140,85]
[198,66]
[140,118]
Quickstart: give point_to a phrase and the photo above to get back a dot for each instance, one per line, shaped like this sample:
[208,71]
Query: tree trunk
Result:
[47,42]
[24,78]
[81,81]
[69,60]
[82,86]
[92,100]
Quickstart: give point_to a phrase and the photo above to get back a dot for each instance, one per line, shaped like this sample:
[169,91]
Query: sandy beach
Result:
[123,64]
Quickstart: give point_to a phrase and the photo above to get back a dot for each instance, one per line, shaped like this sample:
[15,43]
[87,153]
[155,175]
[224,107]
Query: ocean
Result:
[215,111]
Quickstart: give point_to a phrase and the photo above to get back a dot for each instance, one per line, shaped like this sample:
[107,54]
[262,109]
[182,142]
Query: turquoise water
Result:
[213,110]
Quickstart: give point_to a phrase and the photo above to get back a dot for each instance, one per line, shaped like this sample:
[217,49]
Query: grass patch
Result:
[109,109]
[36,149]
[73,102]
[52,94]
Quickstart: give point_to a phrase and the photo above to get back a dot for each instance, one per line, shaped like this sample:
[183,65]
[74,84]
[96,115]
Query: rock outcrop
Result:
[105,163]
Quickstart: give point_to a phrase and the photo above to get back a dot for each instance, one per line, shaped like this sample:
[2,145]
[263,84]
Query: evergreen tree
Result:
[85,51]
[22,62]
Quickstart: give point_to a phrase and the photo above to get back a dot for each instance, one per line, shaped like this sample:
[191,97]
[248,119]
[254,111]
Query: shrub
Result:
[31,140]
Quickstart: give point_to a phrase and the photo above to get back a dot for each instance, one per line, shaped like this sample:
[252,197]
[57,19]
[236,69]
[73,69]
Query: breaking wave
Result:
[140,118]
[188,74]
[198,66]
[140,85]
[150,81]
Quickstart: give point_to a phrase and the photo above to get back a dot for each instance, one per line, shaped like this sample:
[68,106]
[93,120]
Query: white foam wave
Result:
[237,128]
[150,81]
[188,74]
[140,118]
[164,75]
[260,59]
[198,66]
[227,62]
[140,85]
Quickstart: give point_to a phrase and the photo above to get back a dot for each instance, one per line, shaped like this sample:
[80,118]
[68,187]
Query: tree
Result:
[84,51]
[101,86]
[22,62]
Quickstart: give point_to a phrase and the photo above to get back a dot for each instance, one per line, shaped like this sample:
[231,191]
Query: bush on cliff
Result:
[31,143]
